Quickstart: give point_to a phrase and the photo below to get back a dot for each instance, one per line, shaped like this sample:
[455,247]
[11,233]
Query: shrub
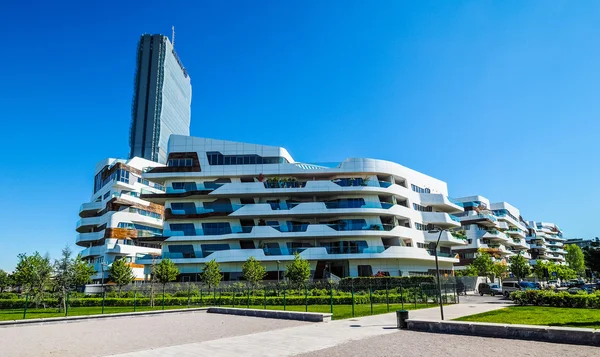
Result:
[556,299]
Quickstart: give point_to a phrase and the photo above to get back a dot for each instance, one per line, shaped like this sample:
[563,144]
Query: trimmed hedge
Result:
[344,299]
[379,283]
[556,299]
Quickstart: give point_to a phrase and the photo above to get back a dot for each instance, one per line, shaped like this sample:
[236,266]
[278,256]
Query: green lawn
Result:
[540,315]
[339,311]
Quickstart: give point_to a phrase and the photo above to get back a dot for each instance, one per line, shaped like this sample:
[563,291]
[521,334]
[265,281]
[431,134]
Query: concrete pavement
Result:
[313,337]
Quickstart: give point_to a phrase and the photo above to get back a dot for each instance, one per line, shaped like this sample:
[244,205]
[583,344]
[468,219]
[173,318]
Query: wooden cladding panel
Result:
[120,233]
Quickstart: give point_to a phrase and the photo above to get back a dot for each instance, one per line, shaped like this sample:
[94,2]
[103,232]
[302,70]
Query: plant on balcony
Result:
[253,271]
[459,235]
[121,273]
[375,227]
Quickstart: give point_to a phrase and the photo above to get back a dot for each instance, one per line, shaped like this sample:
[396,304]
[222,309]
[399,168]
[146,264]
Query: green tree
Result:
[211,275]
[500,270]
[165,272]
[592,258]
[468,271]
[483,264]
[519,266]
[575,258]
[4,280]
[33,274]
[253,271]
[298,271]
[82,271]
[121,273]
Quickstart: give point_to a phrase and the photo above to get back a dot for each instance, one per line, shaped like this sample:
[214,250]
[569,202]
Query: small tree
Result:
[483,264]
[33,274]
[575,258]
[82,271]
[298,271]
[519,266]
[121,273]
[500,270]
[165,272]
[4,280]
[211,275]
[253,271]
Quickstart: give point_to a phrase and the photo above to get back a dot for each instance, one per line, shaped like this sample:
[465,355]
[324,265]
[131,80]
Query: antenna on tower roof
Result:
[173,36]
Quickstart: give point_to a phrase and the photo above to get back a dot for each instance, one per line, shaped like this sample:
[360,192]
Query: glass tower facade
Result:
[161,101]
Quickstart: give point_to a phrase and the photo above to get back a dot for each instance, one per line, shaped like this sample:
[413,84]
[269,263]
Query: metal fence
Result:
[343,298]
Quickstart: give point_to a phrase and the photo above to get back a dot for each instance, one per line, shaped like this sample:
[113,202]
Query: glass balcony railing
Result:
[441,254]
[454,218]
[342,205]
[458,203]
[224,208]
[353,182]
[285,184]
[189,188]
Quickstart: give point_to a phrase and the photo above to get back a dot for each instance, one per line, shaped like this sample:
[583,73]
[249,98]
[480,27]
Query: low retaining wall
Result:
[575,336]
[273,314]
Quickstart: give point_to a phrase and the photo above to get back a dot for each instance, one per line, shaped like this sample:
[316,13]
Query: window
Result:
[365,270]
[188,229]
[180,162]
[182,251]
[106,195]
[423,227]
[216,158]
[421,208]
[419,189]
[216,228]
[208,249]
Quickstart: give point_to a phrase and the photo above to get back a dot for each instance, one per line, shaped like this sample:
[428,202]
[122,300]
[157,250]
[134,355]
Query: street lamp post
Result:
[278,272]
[102,265]
[437,269]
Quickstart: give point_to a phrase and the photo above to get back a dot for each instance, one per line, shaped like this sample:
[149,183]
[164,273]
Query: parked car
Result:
[575,290]
[553,283]
[528,285]
[491,289]
[510,286]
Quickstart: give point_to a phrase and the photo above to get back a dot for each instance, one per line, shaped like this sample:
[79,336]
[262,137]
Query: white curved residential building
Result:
[229,201]
[497,228]
[547,243]
[111,223]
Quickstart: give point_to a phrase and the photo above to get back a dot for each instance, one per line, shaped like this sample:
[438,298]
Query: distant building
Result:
[580,242]
[161,100]
[112,223]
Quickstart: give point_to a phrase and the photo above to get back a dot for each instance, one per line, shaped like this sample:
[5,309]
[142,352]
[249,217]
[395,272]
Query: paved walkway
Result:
[313,337]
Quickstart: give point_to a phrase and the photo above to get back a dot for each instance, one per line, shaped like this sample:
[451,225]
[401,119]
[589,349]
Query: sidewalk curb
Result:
[563,335]
[67,319]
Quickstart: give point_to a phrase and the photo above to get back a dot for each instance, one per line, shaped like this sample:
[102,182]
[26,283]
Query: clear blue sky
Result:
[495,98]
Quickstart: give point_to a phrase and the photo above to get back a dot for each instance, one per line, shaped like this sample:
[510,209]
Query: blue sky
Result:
[495,98]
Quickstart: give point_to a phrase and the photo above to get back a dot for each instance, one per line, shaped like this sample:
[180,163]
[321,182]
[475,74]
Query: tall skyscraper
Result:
[161,100]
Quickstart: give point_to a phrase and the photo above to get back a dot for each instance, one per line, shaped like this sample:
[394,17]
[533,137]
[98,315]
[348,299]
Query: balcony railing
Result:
[356,182]
[285,184]
[223,208]
[441,254]
[458,203]
[342,205]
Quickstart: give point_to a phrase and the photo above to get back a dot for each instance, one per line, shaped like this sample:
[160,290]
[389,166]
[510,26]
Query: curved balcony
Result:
[479,218]
[85,225]
[441,202]
[310,253]
[266,210]
[519,243]
[317,231]
[494,234]
[93,251]
[515,233]
[83,238]
[90,209]
[440,219]
[446,239]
